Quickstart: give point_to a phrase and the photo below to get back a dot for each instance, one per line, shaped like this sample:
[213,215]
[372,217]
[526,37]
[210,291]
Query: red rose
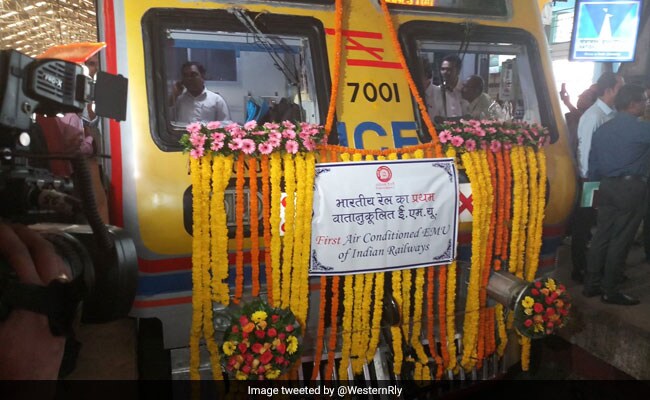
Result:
[549,300]
[562,288]
[244,335]
[266,357]
[538,307]
[260,334]
[538,284]
[235,329]
[534,292]
[550,311]
[282,336]
[246,369]
[249,357]
[242,347]
[549,324]
[243,320]
[281,348]
[275,318]
[261,370]
[279,359]
[554,295]
[289,328]
[528,323]
[232,361]
[257,347]
[272,332]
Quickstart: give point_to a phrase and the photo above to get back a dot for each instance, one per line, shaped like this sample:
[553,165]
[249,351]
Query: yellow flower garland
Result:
[451,317]
[276,241]
[346,329]
[309,176]
[298,235]
[289,215]
[517,207]
[417,325]
[470,326]
[406,304]
[396,331]
[197,299]
[378,302]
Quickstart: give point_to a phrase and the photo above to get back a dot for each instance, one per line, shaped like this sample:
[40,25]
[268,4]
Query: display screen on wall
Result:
[605,30]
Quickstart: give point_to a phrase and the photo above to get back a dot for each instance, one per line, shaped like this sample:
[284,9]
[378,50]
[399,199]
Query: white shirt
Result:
[482,107]
[207,106]
[456,106]
[592,119]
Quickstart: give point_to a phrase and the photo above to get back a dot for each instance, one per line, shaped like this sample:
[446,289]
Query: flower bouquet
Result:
[261,343]
[469,135]
[217,137]
[542,308]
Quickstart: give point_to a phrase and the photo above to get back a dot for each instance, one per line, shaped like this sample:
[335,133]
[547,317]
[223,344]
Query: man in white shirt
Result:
[585,217]
[479,104]
[196,103]
[446,100]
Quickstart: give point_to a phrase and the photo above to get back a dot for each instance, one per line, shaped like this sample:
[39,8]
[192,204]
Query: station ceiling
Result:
[31,26]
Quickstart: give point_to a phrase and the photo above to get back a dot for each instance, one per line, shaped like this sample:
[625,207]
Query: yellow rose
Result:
[528,302]
[262,325]
[241,376]
[528,311]
[550,283]
[258,316]
[292,344]
[228,348]
[272,374]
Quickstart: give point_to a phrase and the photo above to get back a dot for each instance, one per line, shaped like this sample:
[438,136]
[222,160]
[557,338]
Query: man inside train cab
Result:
[479,104]
[191,101]
[446,100]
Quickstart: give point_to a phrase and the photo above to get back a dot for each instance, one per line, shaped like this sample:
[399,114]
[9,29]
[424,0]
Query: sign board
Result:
[605,30]
[380,216]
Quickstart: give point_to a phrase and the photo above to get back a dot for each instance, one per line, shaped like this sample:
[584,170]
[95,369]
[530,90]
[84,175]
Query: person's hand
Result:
[28,350]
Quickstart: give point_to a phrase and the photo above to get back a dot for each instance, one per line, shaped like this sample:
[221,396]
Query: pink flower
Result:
[309,144]
[507,146]
[288,124]
[197,139]
[250,125]
[275,134]
[457,141]
[289,134]
[291,146]
[214,125]
[216,146]
[470,145]
[520,140]
[528,323]
[273,142]
[265,148]
[217,137]
[271,125]
[194,127]
[444,136]
[236,144]
[197,153]
[495,146]
[248,146]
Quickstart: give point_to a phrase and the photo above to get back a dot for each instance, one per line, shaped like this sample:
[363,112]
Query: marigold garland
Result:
[517,211]
[276,241]
[298,237]
[239,233]
[378,302]
[346,329]
[221,172]
[406,304]
[197,299]
[338,36]
[396,331]
[334,309]
[320,333]
[431,322]
[417,325]
[508,202]
[253,213]
[501,329]
[266,215]
[287,242]
[530,257]
[450,314]
[309,176]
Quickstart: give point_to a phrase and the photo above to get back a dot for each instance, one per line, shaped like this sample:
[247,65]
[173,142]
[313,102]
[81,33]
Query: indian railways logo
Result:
[384,174]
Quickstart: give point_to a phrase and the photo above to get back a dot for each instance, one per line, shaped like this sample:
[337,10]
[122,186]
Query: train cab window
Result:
[221,66]
[500,64]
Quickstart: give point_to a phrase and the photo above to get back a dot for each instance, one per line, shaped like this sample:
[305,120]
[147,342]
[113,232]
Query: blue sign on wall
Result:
[605,30]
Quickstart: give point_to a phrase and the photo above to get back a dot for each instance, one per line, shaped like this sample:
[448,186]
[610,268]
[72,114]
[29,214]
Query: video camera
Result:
[102,258]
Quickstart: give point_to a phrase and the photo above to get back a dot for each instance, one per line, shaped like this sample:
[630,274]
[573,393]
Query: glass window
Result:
[504,60]
[232,67]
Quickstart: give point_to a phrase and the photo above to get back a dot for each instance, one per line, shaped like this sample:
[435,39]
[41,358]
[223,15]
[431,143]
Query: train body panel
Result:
[374,108]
